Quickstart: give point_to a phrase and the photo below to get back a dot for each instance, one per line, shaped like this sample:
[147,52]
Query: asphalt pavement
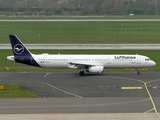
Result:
[69,93]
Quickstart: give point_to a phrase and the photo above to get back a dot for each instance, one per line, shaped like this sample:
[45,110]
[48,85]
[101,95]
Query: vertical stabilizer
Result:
[18,47]
[21,53]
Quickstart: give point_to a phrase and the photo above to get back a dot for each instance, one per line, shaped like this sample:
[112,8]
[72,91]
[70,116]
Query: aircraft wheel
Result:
[81,73]
[138,73]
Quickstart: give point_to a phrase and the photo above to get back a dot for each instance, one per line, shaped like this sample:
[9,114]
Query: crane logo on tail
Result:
[18,49]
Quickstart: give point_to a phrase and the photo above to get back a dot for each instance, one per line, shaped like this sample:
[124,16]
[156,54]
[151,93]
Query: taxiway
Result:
[69,93]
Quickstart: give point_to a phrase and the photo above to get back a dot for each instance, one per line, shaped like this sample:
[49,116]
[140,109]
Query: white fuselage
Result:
[90,63]
[107,61]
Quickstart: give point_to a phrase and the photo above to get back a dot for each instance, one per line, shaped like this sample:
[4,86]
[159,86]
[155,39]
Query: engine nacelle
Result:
[96,69]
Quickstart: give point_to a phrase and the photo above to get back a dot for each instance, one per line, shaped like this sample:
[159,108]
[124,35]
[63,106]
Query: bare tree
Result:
[157,6]
[91,6]
[112,6]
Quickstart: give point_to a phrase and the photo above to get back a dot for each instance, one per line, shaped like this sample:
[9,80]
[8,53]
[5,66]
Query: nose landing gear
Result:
[138,73]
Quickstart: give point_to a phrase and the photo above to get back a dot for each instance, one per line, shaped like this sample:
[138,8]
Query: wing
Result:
[85,65]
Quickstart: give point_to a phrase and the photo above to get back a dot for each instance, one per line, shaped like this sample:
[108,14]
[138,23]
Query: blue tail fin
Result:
[18,47]
[21,53]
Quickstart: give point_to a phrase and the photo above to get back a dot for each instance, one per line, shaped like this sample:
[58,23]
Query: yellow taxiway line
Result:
[145,84]
[154,107]
[131,88]
[46,74]
[149,110]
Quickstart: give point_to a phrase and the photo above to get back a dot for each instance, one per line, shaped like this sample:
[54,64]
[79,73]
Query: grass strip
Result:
[82,32]
[14,91]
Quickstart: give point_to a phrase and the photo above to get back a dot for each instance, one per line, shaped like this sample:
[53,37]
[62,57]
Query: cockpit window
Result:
[147,59]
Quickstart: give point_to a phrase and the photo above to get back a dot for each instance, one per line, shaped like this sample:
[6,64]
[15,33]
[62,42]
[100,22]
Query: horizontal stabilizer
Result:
[11,58]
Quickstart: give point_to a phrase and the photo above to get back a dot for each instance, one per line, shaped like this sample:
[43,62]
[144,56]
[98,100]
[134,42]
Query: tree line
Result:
[80,7]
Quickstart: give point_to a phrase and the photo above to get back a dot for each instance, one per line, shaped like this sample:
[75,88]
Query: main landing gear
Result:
[138,73]
[81,72]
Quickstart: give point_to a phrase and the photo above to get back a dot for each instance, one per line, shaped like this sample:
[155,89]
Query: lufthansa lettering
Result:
[125,57]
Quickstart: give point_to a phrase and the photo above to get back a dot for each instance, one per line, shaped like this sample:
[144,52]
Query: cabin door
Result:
[109,60]
[138,60]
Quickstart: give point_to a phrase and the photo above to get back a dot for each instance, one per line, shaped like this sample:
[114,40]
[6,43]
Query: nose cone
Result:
[153,63]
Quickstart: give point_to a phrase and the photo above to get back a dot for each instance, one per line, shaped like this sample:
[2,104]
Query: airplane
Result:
[86,63]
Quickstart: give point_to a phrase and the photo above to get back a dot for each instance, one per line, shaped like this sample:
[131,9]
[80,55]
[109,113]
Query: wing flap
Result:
[82,64]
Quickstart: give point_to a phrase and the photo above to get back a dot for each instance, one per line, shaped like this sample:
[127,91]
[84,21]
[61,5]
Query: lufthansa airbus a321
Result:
[85,63]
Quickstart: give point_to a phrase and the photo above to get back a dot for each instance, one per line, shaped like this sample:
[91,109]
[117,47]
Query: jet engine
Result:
[96,69]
